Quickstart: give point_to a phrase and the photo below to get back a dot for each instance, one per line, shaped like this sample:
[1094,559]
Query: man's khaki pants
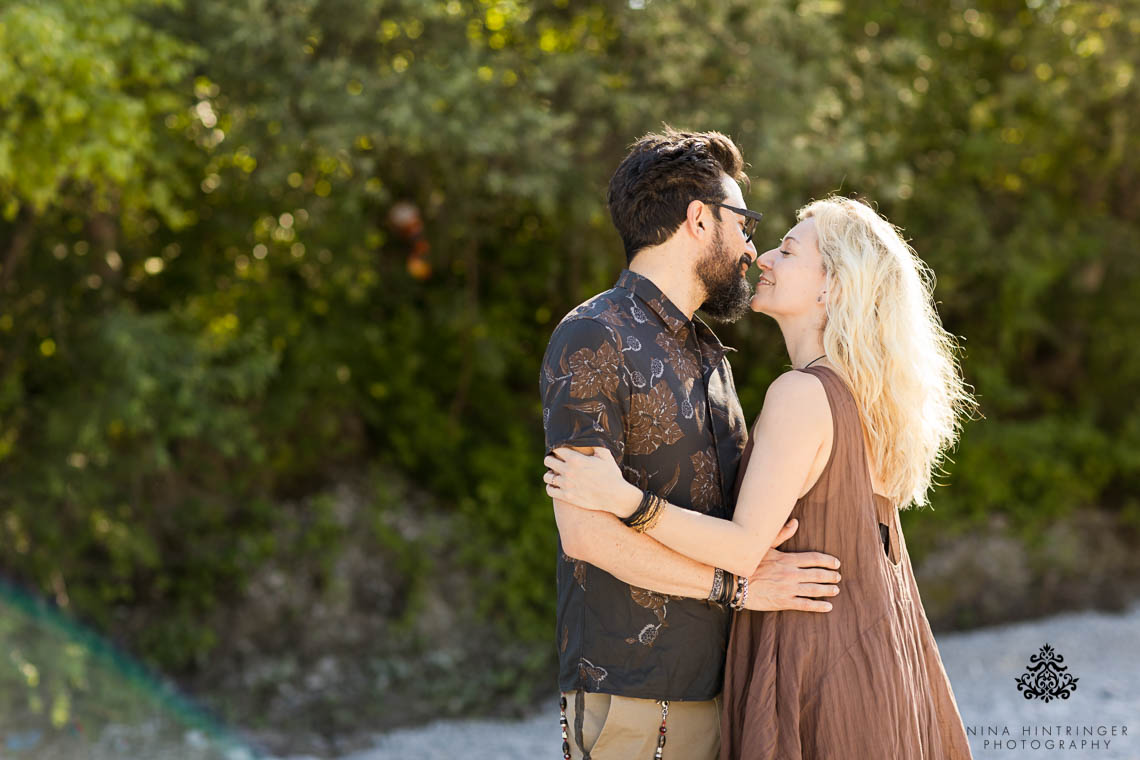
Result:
[623,728]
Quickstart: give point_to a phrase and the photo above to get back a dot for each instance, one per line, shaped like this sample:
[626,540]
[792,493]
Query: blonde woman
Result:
[850,436]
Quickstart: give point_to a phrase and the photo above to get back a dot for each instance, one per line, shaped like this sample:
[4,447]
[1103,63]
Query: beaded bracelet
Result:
[741,594]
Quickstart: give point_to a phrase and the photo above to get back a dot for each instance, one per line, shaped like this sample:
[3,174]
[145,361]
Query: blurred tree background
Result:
[276,277]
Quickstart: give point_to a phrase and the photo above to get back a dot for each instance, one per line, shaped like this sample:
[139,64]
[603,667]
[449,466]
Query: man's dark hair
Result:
[663,173]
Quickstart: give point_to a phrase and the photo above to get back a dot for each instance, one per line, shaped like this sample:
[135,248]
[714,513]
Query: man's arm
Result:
[600,539]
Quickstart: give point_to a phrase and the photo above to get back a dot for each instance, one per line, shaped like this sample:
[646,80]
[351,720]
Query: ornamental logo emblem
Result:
[1046,678]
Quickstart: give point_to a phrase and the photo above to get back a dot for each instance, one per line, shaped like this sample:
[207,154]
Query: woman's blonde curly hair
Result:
[885,338]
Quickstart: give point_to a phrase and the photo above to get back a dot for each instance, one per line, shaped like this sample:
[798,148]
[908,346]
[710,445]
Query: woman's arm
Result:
[602,541]
[793,428]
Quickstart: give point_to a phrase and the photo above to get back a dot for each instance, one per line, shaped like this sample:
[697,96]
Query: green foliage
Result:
[84,84]
[136,422]
[209,307]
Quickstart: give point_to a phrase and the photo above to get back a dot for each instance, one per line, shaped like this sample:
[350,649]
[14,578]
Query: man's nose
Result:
[750,250]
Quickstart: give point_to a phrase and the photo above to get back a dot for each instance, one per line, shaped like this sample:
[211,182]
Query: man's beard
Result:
[727,292]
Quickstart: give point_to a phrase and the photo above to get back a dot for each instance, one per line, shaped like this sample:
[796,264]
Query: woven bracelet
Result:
[729,589]
[639,513]
[656,509]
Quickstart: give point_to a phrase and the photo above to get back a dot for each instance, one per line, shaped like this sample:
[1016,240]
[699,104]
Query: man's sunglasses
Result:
[751,218]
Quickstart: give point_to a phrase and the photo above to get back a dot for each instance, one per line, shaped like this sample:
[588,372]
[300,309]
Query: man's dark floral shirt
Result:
[627,370]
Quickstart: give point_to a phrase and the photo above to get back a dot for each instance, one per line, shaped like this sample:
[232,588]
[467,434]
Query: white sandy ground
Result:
[1102,650]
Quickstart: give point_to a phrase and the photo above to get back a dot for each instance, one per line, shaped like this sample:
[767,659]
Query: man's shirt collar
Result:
[674,319]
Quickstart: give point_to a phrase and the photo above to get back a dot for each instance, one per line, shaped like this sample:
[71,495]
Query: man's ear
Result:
[697,219]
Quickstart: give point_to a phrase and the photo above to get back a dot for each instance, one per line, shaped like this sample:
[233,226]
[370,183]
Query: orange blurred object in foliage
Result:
[419,267]
[405,217]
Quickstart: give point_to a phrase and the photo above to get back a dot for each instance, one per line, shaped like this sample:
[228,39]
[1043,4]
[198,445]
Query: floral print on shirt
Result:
[628,370]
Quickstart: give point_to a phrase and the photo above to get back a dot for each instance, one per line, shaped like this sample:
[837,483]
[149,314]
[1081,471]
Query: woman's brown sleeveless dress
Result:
[864,680]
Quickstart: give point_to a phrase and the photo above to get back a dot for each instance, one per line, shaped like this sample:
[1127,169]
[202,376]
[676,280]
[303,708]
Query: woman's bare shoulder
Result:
[797,388]
[796,398]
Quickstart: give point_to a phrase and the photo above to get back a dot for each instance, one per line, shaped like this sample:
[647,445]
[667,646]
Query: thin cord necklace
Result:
[813,361]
